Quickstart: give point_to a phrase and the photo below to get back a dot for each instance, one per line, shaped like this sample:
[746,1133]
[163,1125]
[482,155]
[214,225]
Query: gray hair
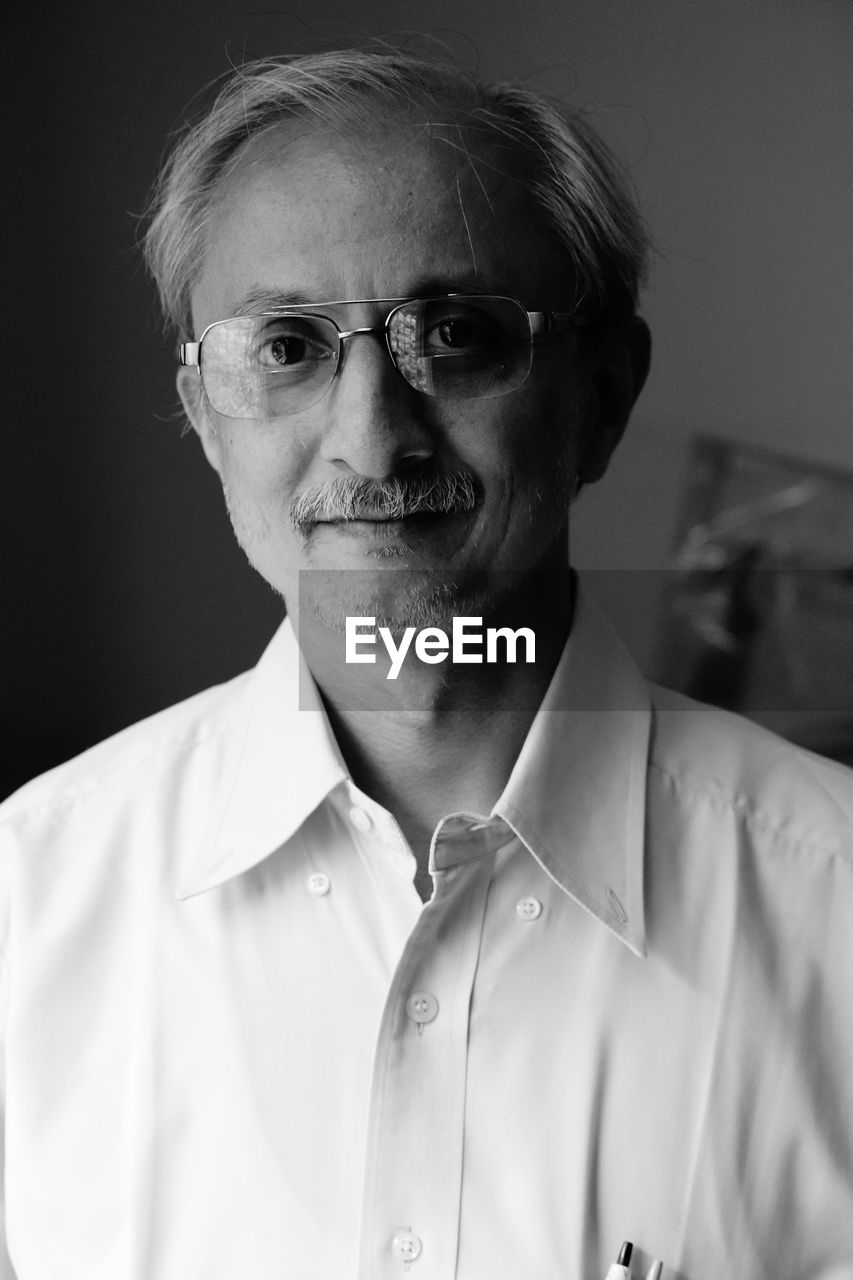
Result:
[576,182]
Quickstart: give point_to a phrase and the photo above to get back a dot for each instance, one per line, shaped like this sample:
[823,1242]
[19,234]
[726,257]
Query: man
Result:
[439,944]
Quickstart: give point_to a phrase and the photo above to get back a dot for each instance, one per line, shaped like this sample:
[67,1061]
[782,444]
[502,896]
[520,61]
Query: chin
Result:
[395,597]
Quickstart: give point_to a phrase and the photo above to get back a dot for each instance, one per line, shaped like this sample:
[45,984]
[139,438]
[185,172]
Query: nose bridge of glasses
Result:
[343,334]
[379,331]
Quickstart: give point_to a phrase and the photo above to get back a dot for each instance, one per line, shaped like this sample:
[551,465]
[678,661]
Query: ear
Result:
[618,355]
[199,414]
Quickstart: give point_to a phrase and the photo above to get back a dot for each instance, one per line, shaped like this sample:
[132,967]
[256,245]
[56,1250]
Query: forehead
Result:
[318,213]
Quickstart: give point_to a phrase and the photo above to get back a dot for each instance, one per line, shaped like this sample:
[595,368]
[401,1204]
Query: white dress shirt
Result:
[238,1046]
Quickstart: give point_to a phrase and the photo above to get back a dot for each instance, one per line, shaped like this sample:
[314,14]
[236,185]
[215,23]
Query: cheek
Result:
[258,460]
[531,449]
[259,472]
[533,463]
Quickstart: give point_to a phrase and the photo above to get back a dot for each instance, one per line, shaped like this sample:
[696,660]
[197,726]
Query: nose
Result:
[376,424]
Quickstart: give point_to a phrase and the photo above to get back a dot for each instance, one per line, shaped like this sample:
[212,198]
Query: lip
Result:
[369,527]
[365,520]
[425,529]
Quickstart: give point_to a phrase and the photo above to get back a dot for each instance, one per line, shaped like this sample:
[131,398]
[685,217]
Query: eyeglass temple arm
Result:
[553,321]
[188,352]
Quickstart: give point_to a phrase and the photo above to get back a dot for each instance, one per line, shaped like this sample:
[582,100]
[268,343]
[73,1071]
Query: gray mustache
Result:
[354,498]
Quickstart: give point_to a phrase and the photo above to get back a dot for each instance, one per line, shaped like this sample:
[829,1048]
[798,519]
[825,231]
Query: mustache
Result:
[359,497]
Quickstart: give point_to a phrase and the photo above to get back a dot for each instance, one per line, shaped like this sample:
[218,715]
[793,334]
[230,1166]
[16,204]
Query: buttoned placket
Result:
[413,1172]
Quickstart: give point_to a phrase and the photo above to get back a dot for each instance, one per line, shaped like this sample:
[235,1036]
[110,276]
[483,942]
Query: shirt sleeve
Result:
[7,1271]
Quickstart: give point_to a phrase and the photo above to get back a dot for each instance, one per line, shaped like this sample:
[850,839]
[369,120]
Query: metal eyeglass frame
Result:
[540,322]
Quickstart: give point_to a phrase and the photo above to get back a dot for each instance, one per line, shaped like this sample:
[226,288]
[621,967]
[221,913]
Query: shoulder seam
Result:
[70,795]
[741,806]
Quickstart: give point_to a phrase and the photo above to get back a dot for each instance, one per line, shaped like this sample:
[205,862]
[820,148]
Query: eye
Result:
[287,349]
[458,333]
[292,343]
[463,333]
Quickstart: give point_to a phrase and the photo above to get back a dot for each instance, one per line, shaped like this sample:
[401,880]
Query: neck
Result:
[443,736]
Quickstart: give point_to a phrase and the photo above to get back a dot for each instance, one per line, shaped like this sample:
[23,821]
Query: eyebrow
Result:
[257,300]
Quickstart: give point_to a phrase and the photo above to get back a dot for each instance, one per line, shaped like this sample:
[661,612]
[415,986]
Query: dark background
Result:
[122,589]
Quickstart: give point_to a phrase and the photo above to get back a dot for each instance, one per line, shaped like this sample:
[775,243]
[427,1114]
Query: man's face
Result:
[400,212]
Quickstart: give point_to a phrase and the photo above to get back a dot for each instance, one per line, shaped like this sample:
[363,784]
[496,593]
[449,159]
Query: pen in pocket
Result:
[621,1268]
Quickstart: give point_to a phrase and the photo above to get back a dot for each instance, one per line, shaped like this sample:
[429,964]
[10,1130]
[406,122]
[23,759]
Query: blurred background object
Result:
[121,588]
[757,614]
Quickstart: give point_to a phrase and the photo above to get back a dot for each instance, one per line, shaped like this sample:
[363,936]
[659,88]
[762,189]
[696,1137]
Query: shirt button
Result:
[360,819]
[318,884]
[421,1006]
[407,1246]
[529,908]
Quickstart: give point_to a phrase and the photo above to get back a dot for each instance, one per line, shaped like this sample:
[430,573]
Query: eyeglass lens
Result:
[267,366]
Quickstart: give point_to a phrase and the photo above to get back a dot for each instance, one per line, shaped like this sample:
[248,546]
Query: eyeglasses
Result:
[281,362]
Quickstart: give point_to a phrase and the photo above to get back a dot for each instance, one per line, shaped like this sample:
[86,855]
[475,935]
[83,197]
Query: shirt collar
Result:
[280,763]
[575,798]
